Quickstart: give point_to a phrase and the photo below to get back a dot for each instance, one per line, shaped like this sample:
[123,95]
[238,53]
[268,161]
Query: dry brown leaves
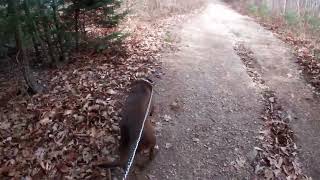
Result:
[306,51]
[248,59]
[276,158]
[60,134]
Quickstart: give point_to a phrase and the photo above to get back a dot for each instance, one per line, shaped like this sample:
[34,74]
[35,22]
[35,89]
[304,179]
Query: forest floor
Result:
[62,132]
[232,103]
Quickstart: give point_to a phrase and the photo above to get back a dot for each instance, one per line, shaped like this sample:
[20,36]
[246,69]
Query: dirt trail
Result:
[214,131]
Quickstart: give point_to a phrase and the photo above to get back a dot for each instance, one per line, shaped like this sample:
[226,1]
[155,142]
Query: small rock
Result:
[86,155]
[196,140]
[8,139]
[240,162]
[111,158]
[272,100]
[268,174]
[78,118]
[68,112]
[25,153]
[111,92]
[115,127]
[105,114]
[105,151]
[5,125]
[110,139]
[45,121]
[174,106]
[55,127]
[100,101]
[167,118]
[93,108]
[168,145]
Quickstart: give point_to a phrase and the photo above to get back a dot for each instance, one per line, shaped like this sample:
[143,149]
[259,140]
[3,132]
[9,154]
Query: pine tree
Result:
[50,29]
[14,16]
[106,16]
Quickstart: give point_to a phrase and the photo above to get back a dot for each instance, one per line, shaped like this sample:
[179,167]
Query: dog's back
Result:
[135,107]
[133,114]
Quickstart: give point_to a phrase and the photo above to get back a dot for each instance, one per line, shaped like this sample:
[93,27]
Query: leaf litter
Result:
[277,154]
[61,133]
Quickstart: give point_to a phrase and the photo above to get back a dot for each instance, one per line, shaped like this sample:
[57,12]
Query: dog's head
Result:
[142,83]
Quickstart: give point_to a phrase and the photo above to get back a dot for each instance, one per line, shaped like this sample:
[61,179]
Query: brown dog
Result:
[132,118]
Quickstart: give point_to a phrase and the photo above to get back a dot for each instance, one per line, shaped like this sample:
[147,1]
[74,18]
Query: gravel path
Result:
[209,107]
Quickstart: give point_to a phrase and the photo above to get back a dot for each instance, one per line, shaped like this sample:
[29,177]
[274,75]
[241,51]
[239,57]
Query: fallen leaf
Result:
[167,118]
[168,145]
[45,121]
[111,92]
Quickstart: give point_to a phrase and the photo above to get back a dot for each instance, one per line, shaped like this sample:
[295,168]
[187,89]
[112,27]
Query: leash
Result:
[131,158]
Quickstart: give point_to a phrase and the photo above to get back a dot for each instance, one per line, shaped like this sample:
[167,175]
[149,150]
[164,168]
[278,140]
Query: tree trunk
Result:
[22,58]
[33,30]
[76,26]
[285,7]
[36,48]
[298,8]
[47,35]
[59,31]
[83,27]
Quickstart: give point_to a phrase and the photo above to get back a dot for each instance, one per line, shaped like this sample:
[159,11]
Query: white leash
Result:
[130,161]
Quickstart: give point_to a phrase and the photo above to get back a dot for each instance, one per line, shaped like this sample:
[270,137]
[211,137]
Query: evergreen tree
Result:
[50,29]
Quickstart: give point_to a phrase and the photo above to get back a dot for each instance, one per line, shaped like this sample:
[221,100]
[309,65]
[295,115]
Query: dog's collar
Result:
[149,81]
